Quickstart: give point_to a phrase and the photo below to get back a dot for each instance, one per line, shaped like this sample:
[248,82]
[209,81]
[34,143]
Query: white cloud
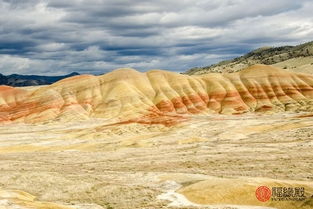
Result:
[51,46]
[17,64]
[35,14]
[58,37]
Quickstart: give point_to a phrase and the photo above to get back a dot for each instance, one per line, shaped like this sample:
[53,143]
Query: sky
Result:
[56,37]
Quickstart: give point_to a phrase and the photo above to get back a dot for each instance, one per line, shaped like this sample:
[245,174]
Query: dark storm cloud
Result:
[96,36]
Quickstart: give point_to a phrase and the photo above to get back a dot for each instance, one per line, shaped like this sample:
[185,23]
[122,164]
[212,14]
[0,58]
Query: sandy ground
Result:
[92,165]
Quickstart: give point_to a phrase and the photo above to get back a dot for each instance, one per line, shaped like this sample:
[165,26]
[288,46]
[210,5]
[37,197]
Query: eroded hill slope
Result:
[126,95]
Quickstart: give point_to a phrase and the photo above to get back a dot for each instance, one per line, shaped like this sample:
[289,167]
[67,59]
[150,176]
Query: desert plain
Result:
[213,154]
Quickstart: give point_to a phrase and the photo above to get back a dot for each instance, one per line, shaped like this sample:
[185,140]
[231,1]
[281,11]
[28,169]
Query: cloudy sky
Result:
[54,37]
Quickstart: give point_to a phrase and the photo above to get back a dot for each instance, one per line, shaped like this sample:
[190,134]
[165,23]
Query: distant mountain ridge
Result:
[292,58]
[31,80]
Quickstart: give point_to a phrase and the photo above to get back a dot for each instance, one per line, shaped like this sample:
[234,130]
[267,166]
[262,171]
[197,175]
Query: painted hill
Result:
[158,97]
[31,80]
[292,58]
